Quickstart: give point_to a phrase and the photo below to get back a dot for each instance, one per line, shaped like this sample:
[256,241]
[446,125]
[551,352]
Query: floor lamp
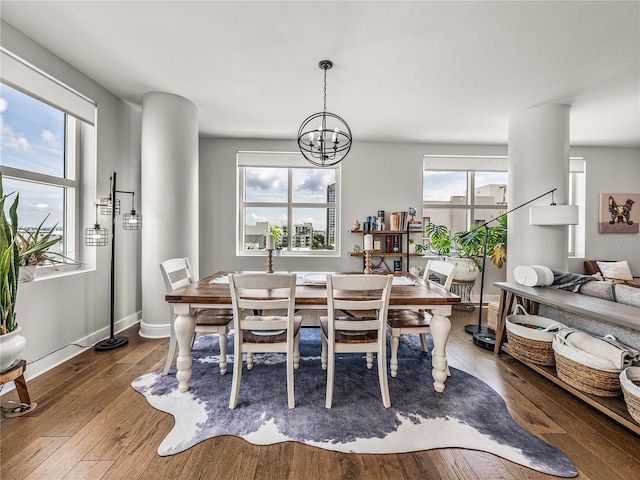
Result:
[97,236]
[483,336]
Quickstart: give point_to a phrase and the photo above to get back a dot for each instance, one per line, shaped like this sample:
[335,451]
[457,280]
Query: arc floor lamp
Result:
[98,237]
[539,215]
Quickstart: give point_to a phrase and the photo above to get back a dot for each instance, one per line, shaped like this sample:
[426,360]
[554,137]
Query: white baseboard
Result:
[54,359]
[154,330]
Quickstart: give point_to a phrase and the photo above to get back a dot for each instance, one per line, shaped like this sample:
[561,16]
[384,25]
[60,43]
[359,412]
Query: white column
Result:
[538,162]
[169,199]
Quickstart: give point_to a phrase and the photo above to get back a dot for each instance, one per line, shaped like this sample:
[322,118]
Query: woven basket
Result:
[492,315]
[630,383]
[530,337]
[584,371]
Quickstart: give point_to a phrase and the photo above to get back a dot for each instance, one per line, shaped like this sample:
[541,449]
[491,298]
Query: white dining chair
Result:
[273,327]
[363,330]
[176,273]
[438,274]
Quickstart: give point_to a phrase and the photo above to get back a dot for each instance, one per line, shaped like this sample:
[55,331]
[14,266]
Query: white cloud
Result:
[13,140]
[3,105]
[48,136]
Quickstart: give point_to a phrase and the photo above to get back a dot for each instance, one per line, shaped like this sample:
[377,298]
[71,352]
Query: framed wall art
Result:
[619,213]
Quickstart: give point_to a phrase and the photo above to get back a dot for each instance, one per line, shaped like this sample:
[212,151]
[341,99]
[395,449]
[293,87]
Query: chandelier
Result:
[324,138]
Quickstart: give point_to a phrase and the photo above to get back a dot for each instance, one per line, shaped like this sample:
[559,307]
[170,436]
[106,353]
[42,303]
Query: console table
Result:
[532,297]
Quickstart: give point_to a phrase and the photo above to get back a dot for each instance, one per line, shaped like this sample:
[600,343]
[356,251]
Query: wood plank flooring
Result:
[90,424]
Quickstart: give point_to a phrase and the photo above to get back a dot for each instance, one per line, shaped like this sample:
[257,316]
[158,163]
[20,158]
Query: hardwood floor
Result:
[90,424]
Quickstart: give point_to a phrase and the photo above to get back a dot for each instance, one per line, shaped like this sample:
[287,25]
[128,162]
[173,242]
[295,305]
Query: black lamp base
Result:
[471,329]
[486,340]
[111,344]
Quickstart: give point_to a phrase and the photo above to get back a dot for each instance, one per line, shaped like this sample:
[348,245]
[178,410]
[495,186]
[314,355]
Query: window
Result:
[577,196]
[283,190]
[462,191]
[449,181]
[45,127]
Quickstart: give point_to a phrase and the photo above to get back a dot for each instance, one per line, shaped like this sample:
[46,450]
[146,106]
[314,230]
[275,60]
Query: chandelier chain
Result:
[325,90]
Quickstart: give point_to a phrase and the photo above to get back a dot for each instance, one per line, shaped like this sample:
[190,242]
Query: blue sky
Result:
[271,185]
[32,139]
[441,186]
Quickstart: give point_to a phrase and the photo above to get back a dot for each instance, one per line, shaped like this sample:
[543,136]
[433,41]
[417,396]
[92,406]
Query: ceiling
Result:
[436,72]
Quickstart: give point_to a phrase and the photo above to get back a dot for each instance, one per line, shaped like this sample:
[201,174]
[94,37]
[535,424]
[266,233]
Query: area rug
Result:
[468,414]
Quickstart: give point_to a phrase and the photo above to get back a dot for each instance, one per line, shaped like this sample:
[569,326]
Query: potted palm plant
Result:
[466,247]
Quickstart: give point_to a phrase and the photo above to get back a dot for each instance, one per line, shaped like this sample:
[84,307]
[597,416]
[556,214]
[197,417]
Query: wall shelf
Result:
[381,255]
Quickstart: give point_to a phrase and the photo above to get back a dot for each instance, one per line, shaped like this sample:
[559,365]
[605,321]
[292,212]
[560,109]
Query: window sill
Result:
[51,272]
[291,254]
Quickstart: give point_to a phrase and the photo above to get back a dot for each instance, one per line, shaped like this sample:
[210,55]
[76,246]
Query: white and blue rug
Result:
[468,414]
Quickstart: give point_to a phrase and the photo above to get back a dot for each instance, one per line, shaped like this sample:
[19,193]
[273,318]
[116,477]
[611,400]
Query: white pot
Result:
[466,269]
[27,273]
[11,346]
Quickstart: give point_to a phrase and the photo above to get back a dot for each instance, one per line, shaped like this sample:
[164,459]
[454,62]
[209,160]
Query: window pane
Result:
[258,220]
[484,215]
[443,186]
[454,218]
[266,184]
[32,134]
[36,202]
[310,229]
[313,185]
[490,188]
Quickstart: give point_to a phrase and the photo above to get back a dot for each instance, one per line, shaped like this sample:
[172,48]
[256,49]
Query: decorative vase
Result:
[11,346]
[27,273]
[466,269]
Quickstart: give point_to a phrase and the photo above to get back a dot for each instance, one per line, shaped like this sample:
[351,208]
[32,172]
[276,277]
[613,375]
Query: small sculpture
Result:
[356,226]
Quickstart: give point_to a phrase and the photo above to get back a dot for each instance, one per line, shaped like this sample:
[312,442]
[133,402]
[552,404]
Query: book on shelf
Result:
[398,221]
[396,244]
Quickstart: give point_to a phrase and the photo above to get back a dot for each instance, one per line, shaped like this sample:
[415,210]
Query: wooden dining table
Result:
[407,292]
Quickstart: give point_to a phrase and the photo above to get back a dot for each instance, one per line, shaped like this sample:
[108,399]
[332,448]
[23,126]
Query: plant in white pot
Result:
[17,248]
[11,343]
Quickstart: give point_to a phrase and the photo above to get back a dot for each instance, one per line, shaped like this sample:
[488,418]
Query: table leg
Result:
[184,327]
[506,302]
[440,329]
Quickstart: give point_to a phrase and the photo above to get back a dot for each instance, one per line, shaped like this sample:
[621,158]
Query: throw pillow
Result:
[615,270]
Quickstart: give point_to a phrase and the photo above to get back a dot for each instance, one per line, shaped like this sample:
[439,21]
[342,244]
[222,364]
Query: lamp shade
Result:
[132,221]
[96,236]
[553,215]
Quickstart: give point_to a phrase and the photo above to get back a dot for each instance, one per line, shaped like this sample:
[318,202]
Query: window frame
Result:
[79,144]
[289,161]
[469,165]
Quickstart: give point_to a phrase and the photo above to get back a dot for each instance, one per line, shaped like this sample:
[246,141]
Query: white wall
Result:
[55,312]
[612,170]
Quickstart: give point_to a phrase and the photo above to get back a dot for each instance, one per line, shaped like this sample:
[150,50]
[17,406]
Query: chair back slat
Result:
[176,273]
[352,286]
[264,323]
[443,270]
